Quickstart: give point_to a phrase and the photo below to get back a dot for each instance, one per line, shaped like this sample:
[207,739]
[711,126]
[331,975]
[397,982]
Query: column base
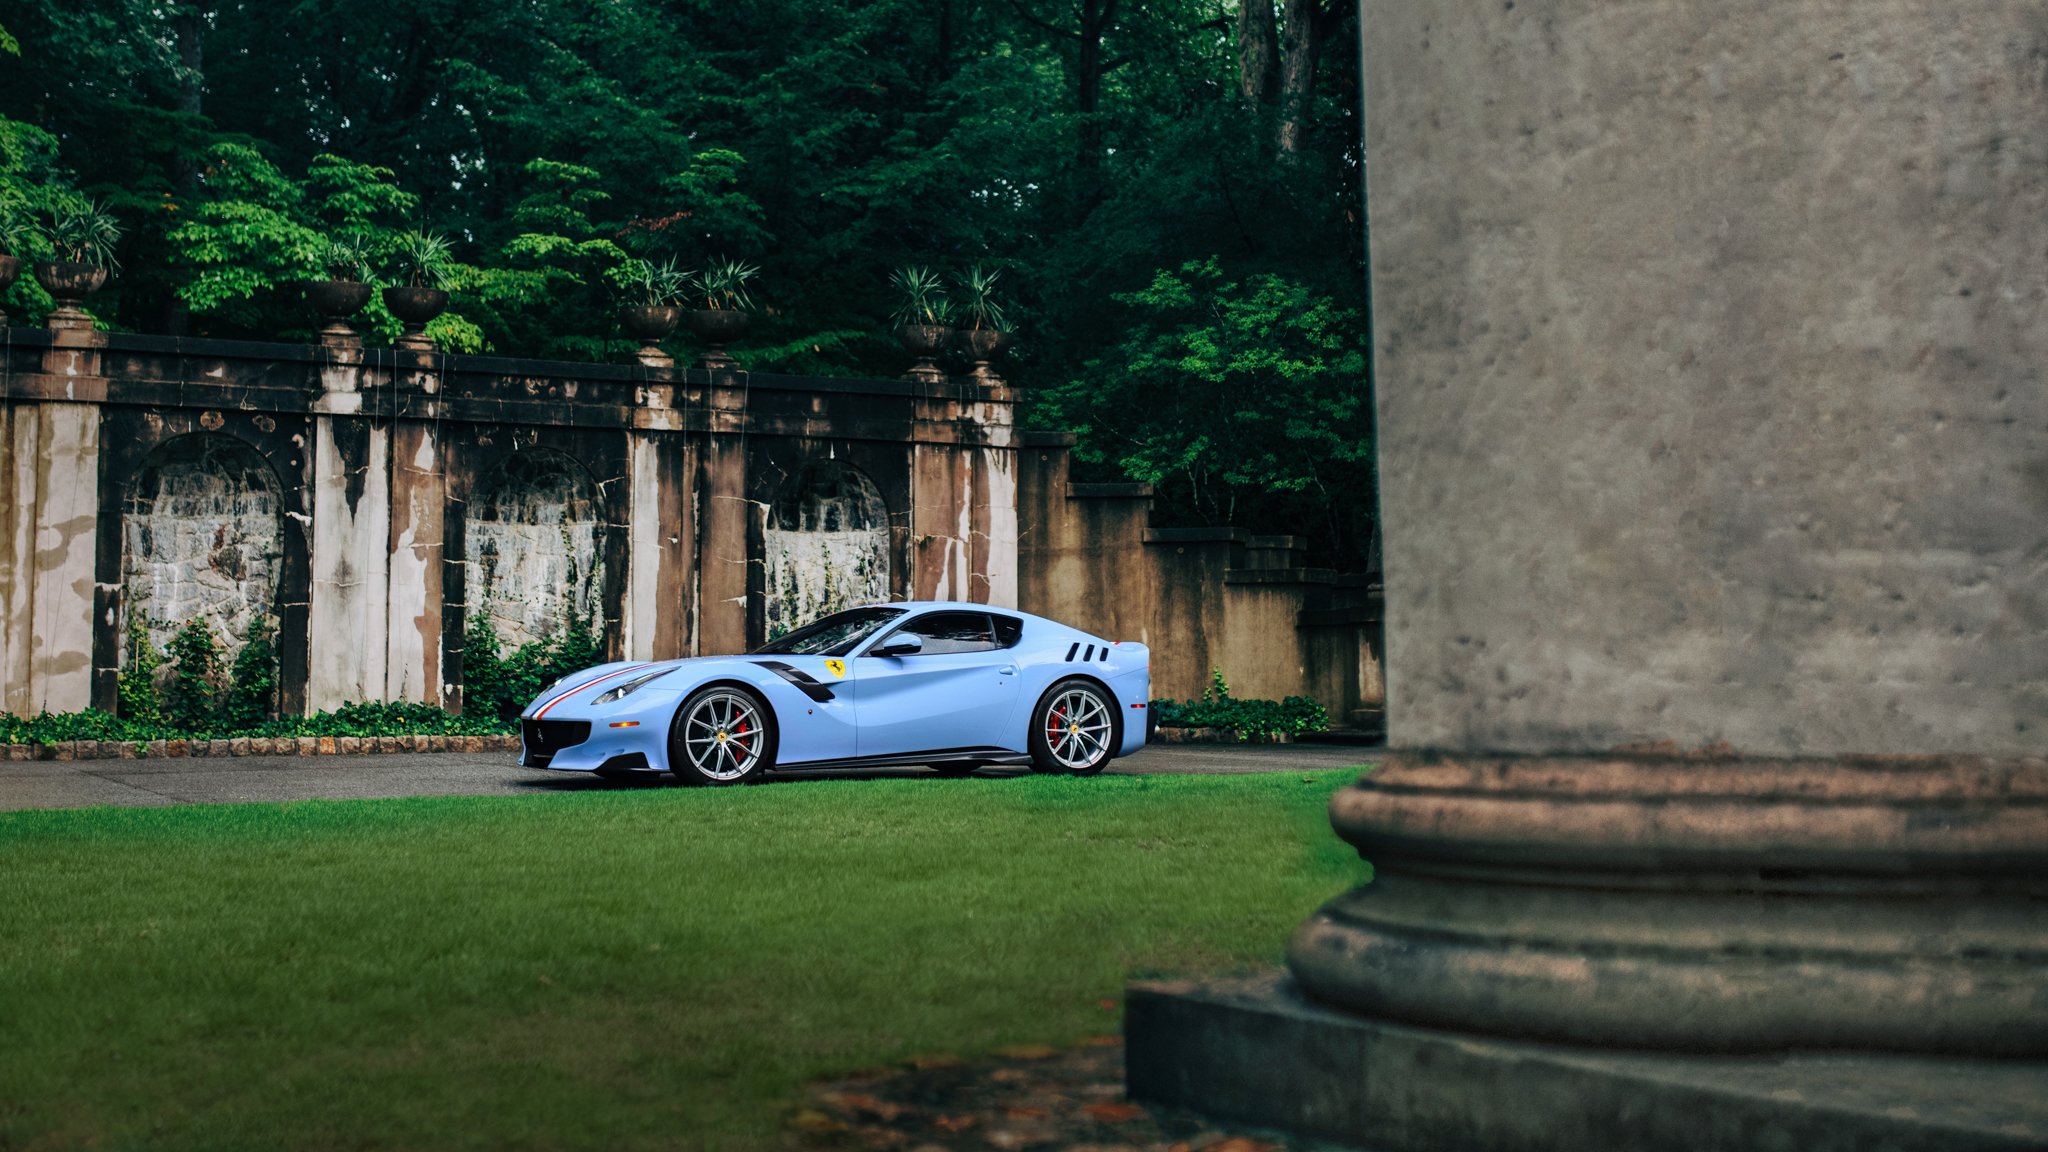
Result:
[1256,1050]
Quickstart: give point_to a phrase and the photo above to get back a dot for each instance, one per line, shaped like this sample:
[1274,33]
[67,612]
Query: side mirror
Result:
[901,644]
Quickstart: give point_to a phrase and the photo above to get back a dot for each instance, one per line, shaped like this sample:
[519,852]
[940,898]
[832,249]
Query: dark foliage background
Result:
[1173,191]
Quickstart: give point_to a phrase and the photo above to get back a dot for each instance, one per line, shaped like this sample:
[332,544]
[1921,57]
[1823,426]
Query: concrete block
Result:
[1255,1051]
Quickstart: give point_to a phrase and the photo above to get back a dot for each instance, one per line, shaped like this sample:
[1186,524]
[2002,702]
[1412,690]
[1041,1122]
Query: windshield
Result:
[835,635]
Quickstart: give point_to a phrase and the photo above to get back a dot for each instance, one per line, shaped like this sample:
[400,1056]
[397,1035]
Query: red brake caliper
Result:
[1052,724]
[739,732]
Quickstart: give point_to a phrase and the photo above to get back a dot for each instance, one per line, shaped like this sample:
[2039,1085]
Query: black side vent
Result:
[1073,648]
[804,681]
[1090,654]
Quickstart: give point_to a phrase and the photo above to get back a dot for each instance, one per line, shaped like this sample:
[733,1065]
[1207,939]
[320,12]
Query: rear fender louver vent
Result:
[1071,649]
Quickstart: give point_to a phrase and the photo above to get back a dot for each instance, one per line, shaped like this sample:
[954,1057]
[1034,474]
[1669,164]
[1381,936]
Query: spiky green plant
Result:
[349,257]
[423,259]
[924,297]
[83,231]
[722,286]
[979,305]
[649,284]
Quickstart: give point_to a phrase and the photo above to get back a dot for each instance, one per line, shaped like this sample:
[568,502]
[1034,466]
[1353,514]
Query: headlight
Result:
[627,688]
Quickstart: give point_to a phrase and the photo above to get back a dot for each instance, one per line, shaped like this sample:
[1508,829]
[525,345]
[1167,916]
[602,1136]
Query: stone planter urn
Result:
[715,328]
[10,270]
[336,301]
[69,282]
[415,308]
[925,341]
[984,346]
[650,324]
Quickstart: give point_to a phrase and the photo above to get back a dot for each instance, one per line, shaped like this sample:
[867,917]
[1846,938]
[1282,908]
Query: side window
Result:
[945,632]
[1009,630]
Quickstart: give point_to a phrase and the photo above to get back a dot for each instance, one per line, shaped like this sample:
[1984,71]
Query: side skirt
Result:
[999,756]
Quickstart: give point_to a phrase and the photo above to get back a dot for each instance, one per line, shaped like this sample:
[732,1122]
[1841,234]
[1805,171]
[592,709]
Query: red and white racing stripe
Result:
[543,709]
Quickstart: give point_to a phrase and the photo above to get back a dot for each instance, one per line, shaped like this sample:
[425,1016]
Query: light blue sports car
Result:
[950,685]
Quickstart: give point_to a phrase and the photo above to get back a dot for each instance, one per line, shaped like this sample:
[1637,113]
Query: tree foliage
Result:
[1082,149]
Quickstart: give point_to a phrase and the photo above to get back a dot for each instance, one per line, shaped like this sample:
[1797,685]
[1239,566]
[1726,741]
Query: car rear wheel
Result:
[721,735]
[1074,730]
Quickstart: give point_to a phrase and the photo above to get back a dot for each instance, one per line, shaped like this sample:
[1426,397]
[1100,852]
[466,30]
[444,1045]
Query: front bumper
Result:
[580,738]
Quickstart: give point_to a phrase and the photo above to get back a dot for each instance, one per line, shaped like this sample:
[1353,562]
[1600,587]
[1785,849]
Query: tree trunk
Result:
[1258,51]
[188,24]
[1303,42]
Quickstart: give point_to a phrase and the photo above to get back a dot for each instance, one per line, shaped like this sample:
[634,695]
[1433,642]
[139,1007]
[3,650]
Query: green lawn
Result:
[631,969]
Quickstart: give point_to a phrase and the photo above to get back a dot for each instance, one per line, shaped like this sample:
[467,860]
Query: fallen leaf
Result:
[1104,1041]
[812,1120]
[955,1123]
[883,1138]
[1243,1144]
[861,1102]
[1028,1052]
[1009,1075]
[1113,1112]
[928,1062]
[1016,1113]
[1106,1005]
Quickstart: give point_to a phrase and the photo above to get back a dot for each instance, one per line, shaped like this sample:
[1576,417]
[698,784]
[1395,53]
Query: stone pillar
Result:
[49,497]
[963,516]
[725,520]
[413,661]
[349,610]
[1713,447]
[662,533]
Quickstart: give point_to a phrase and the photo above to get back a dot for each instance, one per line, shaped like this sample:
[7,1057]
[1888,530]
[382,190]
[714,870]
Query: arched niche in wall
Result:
[825,546]
[202,538]
[534,546]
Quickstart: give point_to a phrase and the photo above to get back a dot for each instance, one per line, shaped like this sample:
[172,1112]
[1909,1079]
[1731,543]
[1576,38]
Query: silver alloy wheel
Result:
[1077,728]
[722,736]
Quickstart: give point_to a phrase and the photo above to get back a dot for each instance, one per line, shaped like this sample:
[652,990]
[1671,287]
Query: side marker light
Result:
[625,723]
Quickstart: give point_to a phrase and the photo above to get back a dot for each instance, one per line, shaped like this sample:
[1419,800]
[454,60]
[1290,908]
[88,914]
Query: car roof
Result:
[961,605]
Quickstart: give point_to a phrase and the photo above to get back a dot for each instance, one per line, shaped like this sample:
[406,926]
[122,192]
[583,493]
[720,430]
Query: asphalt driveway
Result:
[272,779]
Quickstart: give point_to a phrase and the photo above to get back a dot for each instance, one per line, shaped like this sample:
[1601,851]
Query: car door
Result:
[958,692]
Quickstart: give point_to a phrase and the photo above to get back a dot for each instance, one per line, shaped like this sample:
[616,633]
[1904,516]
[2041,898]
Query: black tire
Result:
[1083,750]
[714,721]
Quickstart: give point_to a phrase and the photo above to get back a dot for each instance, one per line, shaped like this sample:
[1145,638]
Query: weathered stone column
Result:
[1714,464]
[726,520]
[413,661]
[663,534]
[964,494]
[348,613]
[49,496]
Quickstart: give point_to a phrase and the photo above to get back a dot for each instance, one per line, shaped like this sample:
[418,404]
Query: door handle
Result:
[1007,670]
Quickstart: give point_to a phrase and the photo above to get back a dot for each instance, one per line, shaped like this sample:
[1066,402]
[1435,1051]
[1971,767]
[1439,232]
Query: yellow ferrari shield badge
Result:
[837,667]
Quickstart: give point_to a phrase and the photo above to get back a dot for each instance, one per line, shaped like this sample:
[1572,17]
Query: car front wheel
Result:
[721,735]
[1074,729]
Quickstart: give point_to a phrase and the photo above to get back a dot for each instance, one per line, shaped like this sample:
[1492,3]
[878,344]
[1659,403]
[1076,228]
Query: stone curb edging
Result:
[1182,734]
[254,746]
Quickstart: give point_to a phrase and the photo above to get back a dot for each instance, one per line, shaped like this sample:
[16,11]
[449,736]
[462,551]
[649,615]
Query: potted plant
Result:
[985,334]
[347,287]
[418,297]
[654,304]
[81,236]
[922,320]
[16,234]
[722,316]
